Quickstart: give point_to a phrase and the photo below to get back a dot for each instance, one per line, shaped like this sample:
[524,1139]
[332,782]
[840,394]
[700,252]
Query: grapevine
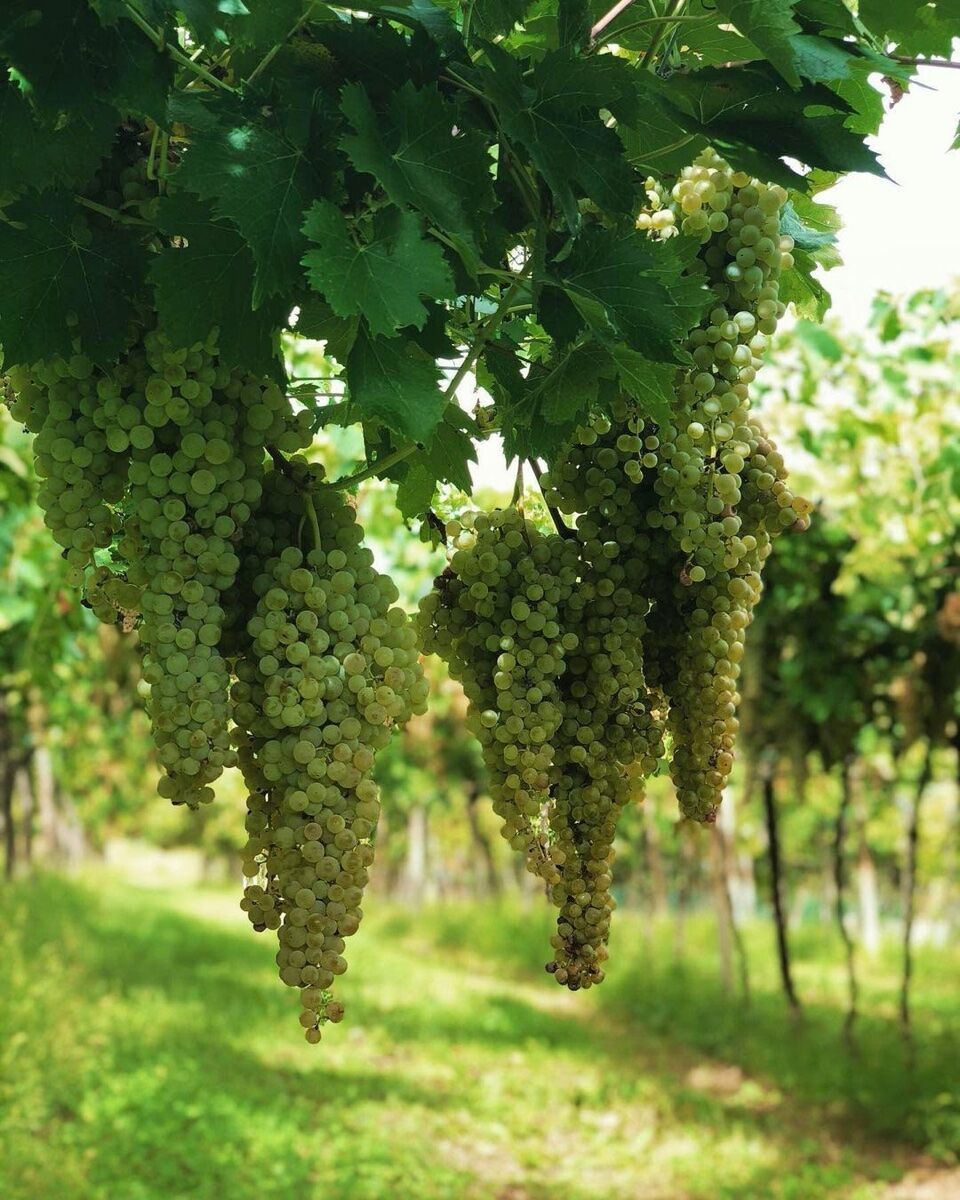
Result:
[573,654]
[191,193]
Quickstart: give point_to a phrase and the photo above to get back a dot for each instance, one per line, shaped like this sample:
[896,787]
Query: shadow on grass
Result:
[906,1092]
[190,1082]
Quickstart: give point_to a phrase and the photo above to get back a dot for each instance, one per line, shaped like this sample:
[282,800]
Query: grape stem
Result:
[484,333]
[926,62]
[312,517]
[158,37]
[673,10]
[561,526]
[435,523]
[610,15]
[517,500]
[279,461]
[112,213]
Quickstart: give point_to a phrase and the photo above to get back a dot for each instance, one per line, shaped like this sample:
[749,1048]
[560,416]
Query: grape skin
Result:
[546,645]
[327,667]
[149,472]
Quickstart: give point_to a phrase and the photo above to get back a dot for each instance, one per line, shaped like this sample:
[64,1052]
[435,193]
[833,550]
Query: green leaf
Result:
[54,45]
[639,287]
[749,105]
[64,57]
[573,23]
[210,21]
[318,321]
[800,287]
[822,60]
[58,266]
[708,42]
[381,279]
[570,389]
[651,384]
[554,114]
[39,154]
[830,15]
[418,156]
[449,454]
[415,491]
[261,24]
[435,21]
[494,17]
[395,383]
[209,281]
[137,76]
[813,227]
[262,180]
[917,29]
[769,24]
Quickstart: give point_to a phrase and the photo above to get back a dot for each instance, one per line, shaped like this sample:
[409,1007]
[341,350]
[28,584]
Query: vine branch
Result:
[609,16]
[159,39]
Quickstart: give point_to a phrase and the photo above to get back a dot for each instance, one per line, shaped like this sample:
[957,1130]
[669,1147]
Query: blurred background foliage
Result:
[830,886]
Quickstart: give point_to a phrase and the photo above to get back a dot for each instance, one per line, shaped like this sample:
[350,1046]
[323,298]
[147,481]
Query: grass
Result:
[147,1052]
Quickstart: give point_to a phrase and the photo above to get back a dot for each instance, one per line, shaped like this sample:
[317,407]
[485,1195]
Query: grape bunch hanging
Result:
[582,656]
[173,481]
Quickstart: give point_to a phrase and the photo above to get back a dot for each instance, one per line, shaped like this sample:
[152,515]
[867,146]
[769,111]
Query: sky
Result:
[899,234]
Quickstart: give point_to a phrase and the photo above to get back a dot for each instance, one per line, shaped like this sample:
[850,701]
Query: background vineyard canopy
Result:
[419,185]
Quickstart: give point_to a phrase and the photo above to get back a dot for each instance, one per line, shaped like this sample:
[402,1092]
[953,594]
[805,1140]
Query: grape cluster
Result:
[546,643]
[149,471]
[693,503]
[575,654]
[494,618]
[329,667]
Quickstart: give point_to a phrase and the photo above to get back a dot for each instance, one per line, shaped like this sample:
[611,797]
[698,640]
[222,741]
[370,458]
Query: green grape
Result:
[308,736]
[547,645]
[695,511]
[149,532]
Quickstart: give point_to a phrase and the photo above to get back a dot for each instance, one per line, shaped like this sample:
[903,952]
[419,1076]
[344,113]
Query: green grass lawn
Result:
[147,1052]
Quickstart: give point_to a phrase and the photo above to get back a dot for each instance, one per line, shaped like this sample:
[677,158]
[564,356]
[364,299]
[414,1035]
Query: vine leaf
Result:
[436,22]
[554,114]
[263,23]
[449,452]
[633,289]
[650,384]
[769,24]
[570,389]
[801,288]
[260,179]
[491,18]
[382,279]
[209,281]
[63,56]
[37,155]
[54,267]
[415,491]
[917,29]
[419,158]
[395,383]
[445,459]
[211,21]
[318,321]
[751,107]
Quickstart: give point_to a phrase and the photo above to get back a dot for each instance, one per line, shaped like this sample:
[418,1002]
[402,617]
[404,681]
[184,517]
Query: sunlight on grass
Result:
[150,1054]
